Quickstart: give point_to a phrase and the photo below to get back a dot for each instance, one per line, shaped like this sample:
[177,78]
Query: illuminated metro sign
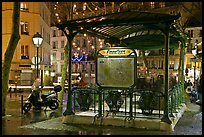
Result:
[116,52]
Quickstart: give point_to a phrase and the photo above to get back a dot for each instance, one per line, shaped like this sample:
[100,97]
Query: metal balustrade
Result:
[127,103]
[176,98]
[119,103]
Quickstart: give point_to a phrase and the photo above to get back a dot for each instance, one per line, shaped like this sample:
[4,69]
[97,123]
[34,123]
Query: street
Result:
[40,122]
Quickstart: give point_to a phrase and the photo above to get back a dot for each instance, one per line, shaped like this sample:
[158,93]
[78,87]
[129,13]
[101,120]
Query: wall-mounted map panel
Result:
[116,72]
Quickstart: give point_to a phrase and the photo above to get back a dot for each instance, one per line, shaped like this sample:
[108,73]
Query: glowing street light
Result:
[37,40]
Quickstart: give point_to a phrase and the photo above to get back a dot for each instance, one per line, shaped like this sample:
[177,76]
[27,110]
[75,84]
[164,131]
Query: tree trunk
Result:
[64,74]
[68,110]
[66,60]
[15,37]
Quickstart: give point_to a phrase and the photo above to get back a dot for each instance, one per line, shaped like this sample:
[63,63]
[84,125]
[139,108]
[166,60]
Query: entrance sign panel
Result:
[115,72]
[115,52]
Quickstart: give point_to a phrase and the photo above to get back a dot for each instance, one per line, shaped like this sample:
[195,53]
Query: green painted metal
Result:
[171,105]
[165,117]
[143,24]
[182,69]
[174,99]
[149,42]
[181,95]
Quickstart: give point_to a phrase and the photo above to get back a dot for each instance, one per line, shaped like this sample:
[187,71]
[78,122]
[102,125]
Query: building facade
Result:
[193,63]
[34,17]
[83,53]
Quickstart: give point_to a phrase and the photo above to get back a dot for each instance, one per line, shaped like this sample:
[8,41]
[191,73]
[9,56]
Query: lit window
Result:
[162,4]
[24,28]
[24,6]
[24,52]
[171,66]
[74,8]
[152,5]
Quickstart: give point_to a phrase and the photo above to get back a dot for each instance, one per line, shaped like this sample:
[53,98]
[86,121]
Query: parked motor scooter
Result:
[48,100]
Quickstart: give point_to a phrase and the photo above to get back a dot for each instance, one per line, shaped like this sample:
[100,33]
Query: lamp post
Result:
[37,40]
[194,52]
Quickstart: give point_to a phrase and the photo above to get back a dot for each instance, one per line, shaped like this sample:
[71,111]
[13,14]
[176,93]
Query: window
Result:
[53,56]
[171,66]
[189,48]
[83,67]
[48,36]
[160,64]
[162,4]
[62,33]
[200,34]
[152,5]
[84,43]
[161,51]
[77,41]
[24,28]
[24,52]
[54,44]
[171,51]
[149,64]
[190,32]
[153,64]
[62,44]
[24,6]
[92,67]
[62,56]
[54,33]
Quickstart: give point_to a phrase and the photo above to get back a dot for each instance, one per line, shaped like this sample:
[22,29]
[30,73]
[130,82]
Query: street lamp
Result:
[194,52]
[37,40]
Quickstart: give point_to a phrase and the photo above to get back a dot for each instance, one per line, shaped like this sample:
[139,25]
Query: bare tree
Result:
[63,11]
[15,37]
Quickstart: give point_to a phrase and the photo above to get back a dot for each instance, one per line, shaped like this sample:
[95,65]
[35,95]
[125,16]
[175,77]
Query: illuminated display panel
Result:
[115,72]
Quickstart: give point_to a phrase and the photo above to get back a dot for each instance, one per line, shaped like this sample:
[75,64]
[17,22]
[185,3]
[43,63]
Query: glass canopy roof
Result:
[138,30]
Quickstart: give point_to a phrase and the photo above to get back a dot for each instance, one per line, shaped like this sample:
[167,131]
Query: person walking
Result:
[199,89]
[82,80]
[189,83]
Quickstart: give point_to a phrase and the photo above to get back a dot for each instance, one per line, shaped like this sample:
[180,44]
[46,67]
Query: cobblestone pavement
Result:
[41,122]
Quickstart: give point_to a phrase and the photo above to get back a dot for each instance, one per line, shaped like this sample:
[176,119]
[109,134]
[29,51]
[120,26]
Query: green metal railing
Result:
[126,103]
[176,98]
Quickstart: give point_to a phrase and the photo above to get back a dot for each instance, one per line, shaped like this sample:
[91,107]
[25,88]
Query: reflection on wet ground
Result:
[15,123]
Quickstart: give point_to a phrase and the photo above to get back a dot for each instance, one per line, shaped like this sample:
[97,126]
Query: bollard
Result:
[21,104]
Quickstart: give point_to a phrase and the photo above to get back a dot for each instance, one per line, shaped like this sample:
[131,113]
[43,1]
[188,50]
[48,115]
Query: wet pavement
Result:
[40,122]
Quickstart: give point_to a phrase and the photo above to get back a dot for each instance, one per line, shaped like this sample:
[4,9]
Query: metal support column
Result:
[37,62]
[182,70]
[165,117]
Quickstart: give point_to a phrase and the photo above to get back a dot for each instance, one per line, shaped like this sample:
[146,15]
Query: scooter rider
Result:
[36,91]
